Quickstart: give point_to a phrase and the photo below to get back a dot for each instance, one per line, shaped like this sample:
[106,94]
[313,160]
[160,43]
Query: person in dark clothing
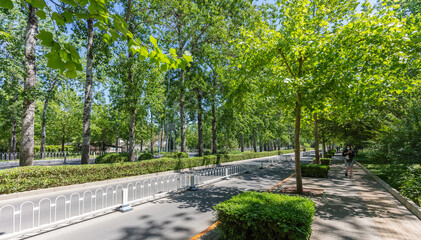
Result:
[348,154]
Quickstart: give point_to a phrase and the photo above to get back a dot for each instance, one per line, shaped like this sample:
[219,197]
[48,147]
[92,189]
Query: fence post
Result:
[227,176]
[94,158]
[192,184]
[261,165]
[125,207]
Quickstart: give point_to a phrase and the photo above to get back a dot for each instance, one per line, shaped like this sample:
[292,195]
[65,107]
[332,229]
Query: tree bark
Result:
[213,145]
[132,129]
[182,113]
[151,135]
[116,140]
[316,139]
[323,144]
[63,139]
[141,145]
[298,176]
[242,142]
[199,121]
[254,140]
[13,135]
[44,125]
[88,95]
[28,116]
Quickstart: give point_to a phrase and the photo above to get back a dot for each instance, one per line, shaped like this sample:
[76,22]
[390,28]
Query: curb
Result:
[411,206]
[112,181]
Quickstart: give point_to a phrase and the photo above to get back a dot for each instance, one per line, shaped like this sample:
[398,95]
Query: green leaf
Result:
[154,41]
[58,18]
[54,61]
[6,4]
[173,52]
[46,38]
[164,67]
[68,17]
[107,38]
[41,14]
[144,52]
[71,74]
[40,4]
[72,3]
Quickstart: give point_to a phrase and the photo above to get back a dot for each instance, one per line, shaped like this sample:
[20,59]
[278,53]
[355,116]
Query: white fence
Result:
[48,155]
[30,216]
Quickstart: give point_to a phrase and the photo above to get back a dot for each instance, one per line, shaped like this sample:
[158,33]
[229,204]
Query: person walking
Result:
[348,153]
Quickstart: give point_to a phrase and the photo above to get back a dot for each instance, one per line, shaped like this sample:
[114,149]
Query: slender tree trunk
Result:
[43,127]
[316,138]
[132,129]
[242,142]
[182,113]
[199,121]
[298,176]
[63,139]
[323,144]
[254,141]
[28,116]
[151,135]
[88,95]
[213,145]
[116,140]
[141,145]
[13,135]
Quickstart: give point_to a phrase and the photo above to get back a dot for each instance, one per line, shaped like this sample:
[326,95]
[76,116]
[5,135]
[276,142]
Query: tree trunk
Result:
[116,140]
[13,135]
[182,113]
[254,140]
[323,144]
[213,145]
[151,135]
[88,95]
[63,139]
[141,145]
[298,176]
[316,139]
[242,142]
[200,122]
[132,129]
[28,116]
[44,124]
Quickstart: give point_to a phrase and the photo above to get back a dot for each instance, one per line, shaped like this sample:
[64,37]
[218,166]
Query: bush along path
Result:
[38,177]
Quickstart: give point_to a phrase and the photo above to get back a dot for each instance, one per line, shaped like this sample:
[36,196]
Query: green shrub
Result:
[145,156]
[253,215]
[324,161]
[176,155]
[316,171]
[329,155]
[112,158]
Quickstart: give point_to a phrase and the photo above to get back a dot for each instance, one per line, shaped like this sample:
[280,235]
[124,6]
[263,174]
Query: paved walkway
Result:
[358,208]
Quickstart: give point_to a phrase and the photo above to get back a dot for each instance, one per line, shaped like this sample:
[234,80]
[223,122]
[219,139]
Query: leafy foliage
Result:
[253,215]
[316,171]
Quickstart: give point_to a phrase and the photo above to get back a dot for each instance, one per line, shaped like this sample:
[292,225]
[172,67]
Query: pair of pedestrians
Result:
[348,154]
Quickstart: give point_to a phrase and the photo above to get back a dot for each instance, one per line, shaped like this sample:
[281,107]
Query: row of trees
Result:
[235,72]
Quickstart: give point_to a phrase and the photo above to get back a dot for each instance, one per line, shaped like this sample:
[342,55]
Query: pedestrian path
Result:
[358,208]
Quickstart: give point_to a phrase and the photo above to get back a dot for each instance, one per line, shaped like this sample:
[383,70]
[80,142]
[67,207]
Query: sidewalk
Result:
[358,208]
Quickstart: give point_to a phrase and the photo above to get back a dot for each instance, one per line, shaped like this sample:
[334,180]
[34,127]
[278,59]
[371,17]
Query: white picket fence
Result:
[30,216]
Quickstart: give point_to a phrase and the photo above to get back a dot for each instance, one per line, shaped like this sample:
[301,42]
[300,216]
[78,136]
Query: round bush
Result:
[112,158]
[261,216]
[176,155]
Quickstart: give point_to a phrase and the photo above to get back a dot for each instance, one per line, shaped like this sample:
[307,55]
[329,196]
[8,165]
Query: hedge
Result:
[30,178]
[176,155]
[316,171]
[324,161]
[253,215]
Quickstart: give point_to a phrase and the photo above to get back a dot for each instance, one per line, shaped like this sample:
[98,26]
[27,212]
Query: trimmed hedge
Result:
[253,215]
[30,178]
[176,155]
[324,161]
[316,171]
[112,158]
